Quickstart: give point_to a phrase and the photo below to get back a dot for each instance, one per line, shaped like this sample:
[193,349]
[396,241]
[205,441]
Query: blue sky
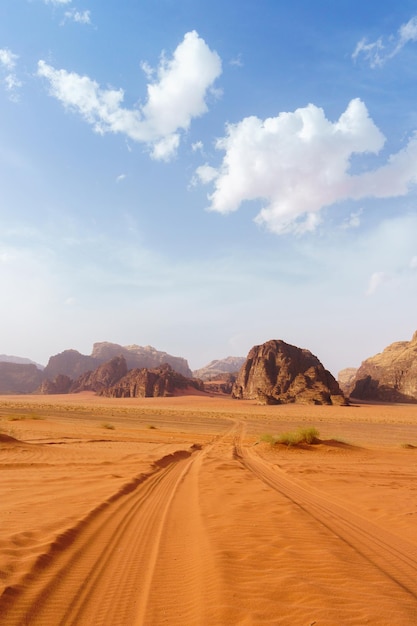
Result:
[205,176]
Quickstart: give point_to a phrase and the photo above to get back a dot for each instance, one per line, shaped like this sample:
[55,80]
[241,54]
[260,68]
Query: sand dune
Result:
[174,511]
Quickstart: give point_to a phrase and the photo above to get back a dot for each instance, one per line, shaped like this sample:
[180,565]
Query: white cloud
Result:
[120,178]
[206,173]
[299,163]
[173,100]
[413,263]
[57,2]
[81,17]
[8,61]
[376,53]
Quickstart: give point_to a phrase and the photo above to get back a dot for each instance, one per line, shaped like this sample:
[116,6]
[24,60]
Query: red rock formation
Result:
[60,384]
[147,383]
[390,376]
[104,376]
[277,372]
[19,377]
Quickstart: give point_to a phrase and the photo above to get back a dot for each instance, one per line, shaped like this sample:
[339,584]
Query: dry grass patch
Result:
[303,435]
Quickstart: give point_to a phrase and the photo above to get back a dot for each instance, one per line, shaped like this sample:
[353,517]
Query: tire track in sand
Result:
[393,556]
[101,572]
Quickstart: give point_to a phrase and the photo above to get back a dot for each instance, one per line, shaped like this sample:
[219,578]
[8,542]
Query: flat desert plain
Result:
[176,511]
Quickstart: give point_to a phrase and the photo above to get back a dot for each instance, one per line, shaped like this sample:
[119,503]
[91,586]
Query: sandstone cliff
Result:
[140,357]
[147,383]
[70,363]
[390,376]
[277,372]
[60,384]
[19,377]
[104,376]
[229,365]
[346,378]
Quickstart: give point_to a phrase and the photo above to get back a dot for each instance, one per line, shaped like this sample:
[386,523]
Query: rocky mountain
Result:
[60,384]
[73,364]
[276,372]
[147,383]
[70,363]
[19,377]
[104,376]
[216,368]
[390,376]
[139,356]
[5,358]
[345,379]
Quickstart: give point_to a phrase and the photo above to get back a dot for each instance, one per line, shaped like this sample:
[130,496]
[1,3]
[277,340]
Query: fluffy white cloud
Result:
[376,53]
[300,162]
[173,100]
[57,2]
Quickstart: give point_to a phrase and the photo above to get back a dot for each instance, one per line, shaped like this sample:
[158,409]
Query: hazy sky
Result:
[203,176]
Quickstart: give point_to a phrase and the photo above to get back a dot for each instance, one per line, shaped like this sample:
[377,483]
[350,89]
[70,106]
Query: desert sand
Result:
[175,511]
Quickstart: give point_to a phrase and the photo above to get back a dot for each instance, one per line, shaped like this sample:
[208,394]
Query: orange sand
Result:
[173,511]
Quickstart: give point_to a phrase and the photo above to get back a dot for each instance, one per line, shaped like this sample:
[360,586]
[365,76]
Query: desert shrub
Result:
[108,426]
[267,438]
[307,435]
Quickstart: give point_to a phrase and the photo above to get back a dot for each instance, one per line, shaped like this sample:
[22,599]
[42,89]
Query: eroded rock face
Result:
[276,372]
[219,367]
[74,364]
[390,376]
[346,378]
[70,363]
[19,377]
[139,357]
[104,376]
[148,383]
[60,384]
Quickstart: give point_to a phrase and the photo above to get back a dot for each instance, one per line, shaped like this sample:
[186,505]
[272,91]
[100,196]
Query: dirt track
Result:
[216,533]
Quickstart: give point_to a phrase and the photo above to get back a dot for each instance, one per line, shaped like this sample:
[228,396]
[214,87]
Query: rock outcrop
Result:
[148,383]
[70,363]
[73,364]
[140,357]
[279,373]
[390,376]
[60,384]
[218,367]
[19,377]
[346,378]
[104,376]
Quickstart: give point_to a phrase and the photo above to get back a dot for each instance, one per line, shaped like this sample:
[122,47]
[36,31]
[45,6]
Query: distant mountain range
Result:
[20,375]
[5,358]
[390,376]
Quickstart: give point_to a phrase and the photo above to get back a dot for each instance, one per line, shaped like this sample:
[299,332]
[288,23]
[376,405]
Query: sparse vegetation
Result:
[408,446]
[151,427]
[108,426]
[308,435]
[18,417]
